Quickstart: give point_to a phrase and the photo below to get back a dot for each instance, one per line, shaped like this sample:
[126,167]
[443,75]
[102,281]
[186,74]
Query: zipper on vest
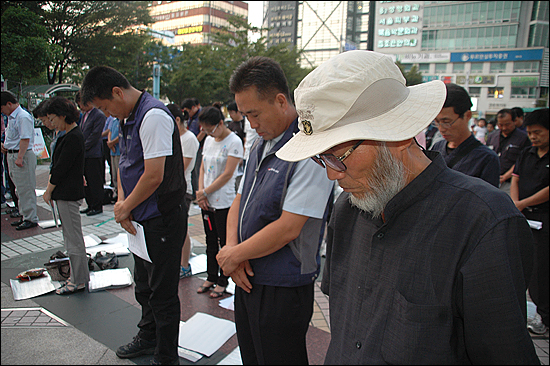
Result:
[249,194]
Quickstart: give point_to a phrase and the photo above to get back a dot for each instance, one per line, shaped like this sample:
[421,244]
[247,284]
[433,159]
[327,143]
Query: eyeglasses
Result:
[334,162]
[210,132]
[446,125]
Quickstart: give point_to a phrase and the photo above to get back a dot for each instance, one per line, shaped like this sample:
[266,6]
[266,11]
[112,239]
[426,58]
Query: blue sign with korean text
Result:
[524,55]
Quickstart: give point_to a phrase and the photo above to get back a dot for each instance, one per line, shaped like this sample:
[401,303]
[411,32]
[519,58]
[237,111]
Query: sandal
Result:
[204,288]
[215,294]
[70,288]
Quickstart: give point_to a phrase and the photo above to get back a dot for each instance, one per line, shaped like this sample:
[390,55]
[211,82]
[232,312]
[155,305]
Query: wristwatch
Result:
[204,193]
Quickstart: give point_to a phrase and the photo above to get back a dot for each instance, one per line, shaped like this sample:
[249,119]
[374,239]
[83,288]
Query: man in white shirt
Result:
[21,159]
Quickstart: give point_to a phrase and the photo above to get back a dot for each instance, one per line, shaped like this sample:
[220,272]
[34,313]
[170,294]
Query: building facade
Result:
[497,50]
[321,28]
[193,21]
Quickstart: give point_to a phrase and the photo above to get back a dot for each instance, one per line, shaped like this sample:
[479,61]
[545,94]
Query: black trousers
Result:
[215,223]
[94,188]
[156,287]
[538,285]
[272,323]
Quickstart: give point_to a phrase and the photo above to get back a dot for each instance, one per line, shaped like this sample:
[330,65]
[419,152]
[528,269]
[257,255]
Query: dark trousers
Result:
[94,188]
[272,323]
[538,285]
[196,171]
[215,223]
[10,183]
[157,283]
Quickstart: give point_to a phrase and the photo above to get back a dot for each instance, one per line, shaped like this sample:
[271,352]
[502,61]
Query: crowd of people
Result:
[430,256]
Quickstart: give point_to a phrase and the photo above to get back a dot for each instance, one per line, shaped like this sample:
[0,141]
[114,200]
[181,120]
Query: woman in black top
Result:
[66,187]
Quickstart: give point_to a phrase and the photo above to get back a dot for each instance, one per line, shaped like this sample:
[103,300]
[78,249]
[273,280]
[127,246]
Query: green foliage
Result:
[204,71]
[25,48]
[87,31]
[413,76]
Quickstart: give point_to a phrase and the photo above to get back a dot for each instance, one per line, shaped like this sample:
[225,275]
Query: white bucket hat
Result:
[359,95]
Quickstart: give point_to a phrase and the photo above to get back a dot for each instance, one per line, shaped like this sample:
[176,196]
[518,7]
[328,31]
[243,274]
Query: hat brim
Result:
[403,122]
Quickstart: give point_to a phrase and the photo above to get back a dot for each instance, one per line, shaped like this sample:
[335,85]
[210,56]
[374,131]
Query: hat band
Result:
[380,97]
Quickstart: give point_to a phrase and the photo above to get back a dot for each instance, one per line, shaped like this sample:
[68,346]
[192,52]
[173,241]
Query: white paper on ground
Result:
[90,240]
[228,303]
[205,333]
[234,358]
[46,224]
[537,225]
[198,263]
[189,355]
[117,248]
[120,238]
[109,278]
[39,192]
[136,243]
[27,289]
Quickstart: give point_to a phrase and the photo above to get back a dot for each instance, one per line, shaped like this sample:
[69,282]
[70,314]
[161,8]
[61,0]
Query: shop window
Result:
[497,92]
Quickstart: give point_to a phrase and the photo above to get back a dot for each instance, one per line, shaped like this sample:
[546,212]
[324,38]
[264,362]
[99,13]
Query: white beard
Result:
[386,179]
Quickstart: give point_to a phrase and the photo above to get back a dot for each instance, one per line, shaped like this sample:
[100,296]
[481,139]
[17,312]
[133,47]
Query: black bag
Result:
[108,194]
[106,260]
[59,267]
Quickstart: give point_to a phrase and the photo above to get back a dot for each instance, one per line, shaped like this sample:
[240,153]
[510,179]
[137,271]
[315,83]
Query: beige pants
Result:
[24,179]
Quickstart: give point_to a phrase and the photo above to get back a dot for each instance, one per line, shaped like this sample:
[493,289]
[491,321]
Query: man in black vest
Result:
[460,149]
[151,192]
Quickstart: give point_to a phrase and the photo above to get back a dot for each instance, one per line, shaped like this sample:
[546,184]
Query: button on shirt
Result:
[20,126]
[508,148]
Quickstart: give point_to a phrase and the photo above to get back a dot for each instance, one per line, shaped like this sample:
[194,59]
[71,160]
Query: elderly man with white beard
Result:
[425,265]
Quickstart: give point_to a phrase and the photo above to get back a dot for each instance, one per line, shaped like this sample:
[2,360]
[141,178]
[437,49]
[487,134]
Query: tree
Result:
[413,76]
[25,48]
[82,29]
[204,71]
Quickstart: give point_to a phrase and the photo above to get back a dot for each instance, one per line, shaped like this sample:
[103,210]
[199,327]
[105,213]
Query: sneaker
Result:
[536,326]
[185,272]
[137,347]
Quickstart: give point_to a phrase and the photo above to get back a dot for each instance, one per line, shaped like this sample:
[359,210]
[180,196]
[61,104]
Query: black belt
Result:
[13,151]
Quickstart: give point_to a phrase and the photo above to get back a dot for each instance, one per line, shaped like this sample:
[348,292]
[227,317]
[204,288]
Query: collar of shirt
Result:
[414,190]
[15,113]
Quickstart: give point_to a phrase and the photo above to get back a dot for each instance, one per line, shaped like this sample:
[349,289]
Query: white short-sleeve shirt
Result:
[155,133]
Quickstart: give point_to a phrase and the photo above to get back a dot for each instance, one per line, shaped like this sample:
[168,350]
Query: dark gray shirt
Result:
[441,281]
[481,162]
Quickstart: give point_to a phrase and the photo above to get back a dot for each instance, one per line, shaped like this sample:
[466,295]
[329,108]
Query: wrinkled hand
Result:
[128,226]
[47,197]
[240,277]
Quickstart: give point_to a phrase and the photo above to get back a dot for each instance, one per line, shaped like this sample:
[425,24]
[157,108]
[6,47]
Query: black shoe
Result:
[12,210]
[17,223]
[15,215]
[26,225]
[94,212]
[137,347]
[86,210]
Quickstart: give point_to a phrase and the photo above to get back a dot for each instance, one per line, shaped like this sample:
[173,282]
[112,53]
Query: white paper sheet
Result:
[46,224]
[27,289]
[228,303]
[121,238]
[537,225]
[189,355]
[234,358]
[205,333]
[91,240]
[117,248]
[198,263]
[136,243]
[109,278]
